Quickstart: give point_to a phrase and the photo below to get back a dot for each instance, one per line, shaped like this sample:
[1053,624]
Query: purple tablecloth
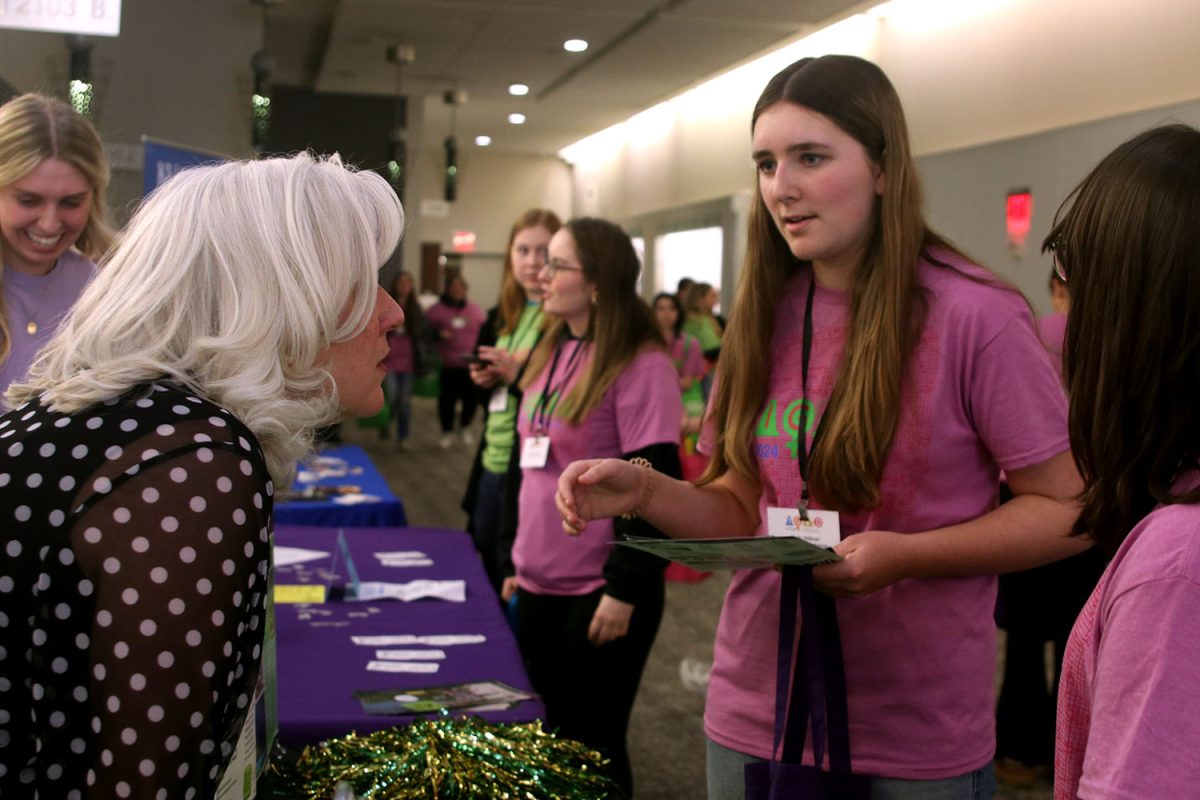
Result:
[387,511]
[319,667]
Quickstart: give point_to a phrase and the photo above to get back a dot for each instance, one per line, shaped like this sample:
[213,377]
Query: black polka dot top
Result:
[136,541]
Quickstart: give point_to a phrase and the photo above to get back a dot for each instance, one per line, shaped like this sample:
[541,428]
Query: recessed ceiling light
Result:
[516,119]
[575,45]
[483,141]
[518,89]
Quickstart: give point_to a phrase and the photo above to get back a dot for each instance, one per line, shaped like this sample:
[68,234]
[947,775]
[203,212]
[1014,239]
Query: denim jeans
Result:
[399,387]
[725,781]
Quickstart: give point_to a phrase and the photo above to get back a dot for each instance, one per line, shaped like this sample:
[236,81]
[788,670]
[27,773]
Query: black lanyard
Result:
[545,408]
[802,449]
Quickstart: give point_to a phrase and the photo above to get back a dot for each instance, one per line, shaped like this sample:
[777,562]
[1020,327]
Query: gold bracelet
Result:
[647,488]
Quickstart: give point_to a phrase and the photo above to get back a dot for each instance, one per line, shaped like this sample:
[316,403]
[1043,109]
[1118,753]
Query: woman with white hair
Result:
[240,311]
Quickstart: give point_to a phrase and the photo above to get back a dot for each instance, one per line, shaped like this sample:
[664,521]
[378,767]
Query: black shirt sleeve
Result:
[630,573]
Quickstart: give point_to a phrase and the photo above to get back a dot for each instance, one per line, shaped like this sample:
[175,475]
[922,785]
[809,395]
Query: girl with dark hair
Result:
[512,330]
[405,355]
[1128,244]
[600,384]
[874,376]
[687,356]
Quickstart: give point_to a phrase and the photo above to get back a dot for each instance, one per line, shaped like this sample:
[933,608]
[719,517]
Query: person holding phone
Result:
[455,320]
[513,328]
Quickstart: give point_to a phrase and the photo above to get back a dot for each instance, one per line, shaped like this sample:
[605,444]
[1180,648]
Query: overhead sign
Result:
[89,17]
[463,242]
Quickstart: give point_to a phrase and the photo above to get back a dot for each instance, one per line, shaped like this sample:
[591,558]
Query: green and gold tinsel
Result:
[446,758]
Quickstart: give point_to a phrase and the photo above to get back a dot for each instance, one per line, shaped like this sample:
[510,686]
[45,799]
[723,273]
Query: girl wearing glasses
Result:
[1129,246]
[873,372]
[599,384]
[506,339]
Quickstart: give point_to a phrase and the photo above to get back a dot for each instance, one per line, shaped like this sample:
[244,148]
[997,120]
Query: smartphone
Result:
[475,360]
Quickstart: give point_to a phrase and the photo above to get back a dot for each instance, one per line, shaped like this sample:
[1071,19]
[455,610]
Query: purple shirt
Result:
[463,325]
[43,300]
[640,408]
[920,655]
[1129,697]
[400,351]
[1052,330]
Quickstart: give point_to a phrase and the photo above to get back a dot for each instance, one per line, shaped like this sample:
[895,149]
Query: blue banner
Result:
[164,160]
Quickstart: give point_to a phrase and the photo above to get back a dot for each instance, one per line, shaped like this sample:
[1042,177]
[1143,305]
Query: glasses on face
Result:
[1056,255]
[554,266]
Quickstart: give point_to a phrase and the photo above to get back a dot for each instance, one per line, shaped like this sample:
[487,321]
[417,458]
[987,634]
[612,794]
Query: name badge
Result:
[535,452]
[499,399]
[458,323]
[822,528]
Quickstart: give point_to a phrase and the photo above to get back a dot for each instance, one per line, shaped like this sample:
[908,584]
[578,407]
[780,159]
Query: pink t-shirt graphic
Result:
[980,395]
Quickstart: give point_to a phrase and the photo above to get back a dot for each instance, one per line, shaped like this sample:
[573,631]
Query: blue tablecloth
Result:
[388,511]
[319,667]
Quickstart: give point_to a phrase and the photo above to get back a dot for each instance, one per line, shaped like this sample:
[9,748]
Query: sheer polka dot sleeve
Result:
[176,556]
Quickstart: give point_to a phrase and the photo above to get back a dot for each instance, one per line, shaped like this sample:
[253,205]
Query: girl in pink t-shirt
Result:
[869,370]
[688,357]
[600,384]
[1128,245]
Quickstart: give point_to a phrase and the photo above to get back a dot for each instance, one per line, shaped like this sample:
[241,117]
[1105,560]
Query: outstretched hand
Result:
[597,489]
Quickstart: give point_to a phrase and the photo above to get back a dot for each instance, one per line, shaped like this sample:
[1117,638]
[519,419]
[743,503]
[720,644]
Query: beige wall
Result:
[180,71]
[1008,68]
[493,190]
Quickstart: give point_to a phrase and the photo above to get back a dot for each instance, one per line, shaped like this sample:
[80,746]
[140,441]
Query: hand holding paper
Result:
[870,561]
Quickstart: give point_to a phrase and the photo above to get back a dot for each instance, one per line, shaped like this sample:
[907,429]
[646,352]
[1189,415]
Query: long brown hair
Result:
[620,325]
[414,315]
[512,293]
[887,309]
[1128,239]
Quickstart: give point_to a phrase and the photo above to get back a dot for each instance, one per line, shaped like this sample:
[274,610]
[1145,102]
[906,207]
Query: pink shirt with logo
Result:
[980,395]
[1129,696]
[641,408]
[462,324]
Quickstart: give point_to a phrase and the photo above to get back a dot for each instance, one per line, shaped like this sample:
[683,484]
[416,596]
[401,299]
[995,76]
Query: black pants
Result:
[486,521]
[454,386]
[588,690]
[1037,606]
